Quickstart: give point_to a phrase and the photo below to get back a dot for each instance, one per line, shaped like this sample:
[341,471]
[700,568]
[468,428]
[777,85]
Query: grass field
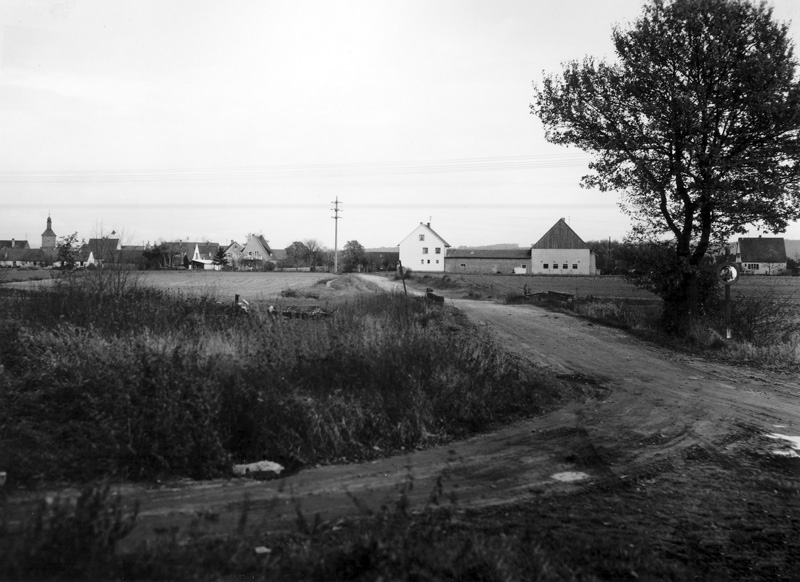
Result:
[223,285]
[605,287]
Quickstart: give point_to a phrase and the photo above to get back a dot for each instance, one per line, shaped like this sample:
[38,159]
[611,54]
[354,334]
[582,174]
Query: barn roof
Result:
[488,254]
[762,250]
[560,236]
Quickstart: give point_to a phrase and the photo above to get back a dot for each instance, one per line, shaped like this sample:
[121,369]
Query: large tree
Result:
[696,122]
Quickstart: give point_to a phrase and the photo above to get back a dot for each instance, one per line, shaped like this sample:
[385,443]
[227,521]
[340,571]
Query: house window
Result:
[565,266]
[463,265]
[545,266]
[429,261]
[438,250]
[422,237]
[424,250]
[422,262]
[753,266]
[437,261]
[574,265]
[555,265]
[524,266]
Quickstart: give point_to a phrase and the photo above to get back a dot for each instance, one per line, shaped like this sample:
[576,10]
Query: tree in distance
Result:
[68,248]
[354,256]
[297,255]
[696,123]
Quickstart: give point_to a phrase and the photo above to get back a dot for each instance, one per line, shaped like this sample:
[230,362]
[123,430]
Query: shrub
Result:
[66,538]
[126,381]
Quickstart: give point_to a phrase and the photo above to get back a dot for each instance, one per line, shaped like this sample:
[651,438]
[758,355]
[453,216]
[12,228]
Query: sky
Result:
[209,120]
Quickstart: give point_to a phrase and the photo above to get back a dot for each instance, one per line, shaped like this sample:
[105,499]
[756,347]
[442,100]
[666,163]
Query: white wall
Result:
[581,259]
[412,253]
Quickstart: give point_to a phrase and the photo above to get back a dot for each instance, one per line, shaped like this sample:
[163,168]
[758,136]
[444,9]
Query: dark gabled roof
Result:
[762,250]
[17,254]
[488,254]
[260,238]
[100,246]
[560,236]
[18,244]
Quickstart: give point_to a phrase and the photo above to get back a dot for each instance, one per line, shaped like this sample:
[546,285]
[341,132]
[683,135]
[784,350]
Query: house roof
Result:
[560,236]
[100,246]
[207,248]
[429,229]
[17,254]
[762,250]
[488,254]
[259,240]
[18,244]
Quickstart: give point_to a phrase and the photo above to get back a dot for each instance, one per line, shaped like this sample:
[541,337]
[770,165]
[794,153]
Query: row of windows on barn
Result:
[564,266]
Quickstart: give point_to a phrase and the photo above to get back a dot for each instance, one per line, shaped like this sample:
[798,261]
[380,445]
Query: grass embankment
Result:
[110,379]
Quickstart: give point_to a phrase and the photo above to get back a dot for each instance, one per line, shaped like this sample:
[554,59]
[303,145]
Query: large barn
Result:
[562,252]
[559,252]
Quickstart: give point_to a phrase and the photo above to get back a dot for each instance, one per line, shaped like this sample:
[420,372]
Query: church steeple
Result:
[48,236]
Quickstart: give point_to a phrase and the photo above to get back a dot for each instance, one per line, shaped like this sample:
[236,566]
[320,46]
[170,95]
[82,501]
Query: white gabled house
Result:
[423,249]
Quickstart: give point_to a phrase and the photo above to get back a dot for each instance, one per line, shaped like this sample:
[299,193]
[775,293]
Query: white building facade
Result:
[423,249]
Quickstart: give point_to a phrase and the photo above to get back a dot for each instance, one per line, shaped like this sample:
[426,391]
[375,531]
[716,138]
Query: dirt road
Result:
[648,409]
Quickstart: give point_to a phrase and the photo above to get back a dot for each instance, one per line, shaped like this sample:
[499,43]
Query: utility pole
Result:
[336,218]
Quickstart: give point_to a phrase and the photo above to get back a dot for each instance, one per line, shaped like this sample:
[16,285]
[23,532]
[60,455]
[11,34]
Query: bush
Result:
[114,380]
[66,538]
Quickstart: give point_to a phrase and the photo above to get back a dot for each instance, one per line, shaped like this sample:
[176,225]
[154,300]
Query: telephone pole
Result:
[336,218]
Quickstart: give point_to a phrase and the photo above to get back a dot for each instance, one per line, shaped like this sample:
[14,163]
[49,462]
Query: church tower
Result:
[48,236]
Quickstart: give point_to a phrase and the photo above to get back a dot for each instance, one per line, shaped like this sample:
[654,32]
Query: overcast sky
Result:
[209,120]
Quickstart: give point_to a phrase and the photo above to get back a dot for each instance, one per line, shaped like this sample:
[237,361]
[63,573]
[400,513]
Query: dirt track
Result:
[647,409]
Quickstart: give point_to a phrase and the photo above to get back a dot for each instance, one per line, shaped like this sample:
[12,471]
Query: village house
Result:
[423,249]
[256,254]
[762,256]
[233,254]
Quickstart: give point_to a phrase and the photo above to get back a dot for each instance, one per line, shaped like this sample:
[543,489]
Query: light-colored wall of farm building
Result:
[420,254]
[764,268]
[578,262]
[484,266]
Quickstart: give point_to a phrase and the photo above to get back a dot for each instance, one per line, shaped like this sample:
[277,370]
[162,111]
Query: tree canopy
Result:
[696,122]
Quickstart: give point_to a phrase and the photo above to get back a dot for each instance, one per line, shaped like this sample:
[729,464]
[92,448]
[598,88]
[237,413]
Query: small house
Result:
[762,256]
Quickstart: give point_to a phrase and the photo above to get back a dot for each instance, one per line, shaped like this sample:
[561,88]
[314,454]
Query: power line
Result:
[299,171]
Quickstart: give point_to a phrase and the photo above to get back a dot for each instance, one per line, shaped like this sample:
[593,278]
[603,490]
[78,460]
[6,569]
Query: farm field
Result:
[223,285]
[220,285]
[608,287]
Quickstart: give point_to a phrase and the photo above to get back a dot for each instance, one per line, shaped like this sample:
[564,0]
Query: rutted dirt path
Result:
[648,408]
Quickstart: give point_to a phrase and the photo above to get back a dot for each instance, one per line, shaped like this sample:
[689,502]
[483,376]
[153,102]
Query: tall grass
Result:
[765,330]
[130,382]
